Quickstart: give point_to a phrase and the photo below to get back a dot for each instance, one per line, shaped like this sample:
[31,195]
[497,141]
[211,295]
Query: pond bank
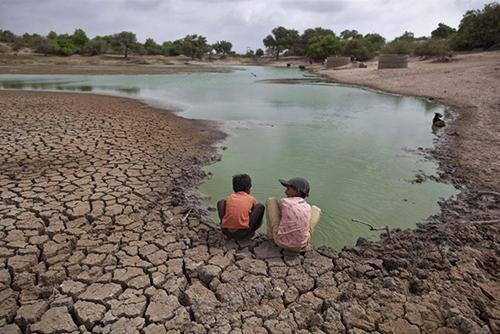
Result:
[96,236]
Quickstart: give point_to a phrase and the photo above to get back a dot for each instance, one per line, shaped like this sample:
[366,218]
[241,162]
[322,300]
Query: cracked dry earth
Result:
[95,237]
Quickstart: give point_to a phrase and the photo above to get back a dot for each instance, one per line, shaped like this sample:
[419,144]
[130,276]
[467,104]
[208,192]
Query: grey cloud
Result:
[319,6]
[243,22]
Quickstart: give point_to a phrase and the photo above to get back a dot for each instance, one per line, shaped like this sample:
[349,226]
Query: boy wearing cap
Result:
[291,220]
[240,214]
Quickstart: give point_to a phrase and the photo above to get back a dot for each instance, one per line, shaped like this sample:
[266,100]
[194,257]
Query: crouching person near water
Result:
[240,214]
[291,220]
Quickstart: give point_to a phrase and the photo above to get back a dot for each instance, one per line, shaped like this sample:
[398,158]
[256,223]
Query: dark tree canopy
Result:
[95,46]
[222,47]
[374,42]
[151,47]
[79,38]
[350,34]
[479,29]
[281,39]
[194,46]
[443,31]
[126,40]
[406,36]
[172,48]
[322,46]
[7,36]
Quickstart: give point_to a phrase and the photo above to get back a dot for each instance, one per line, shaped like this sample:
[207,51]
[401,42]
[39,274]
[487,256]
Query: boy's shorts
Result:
[238,234]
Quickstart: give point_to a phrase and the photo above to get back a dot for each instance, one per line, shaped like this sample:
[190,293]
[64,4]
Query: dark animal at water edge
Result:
[437,121]
[302,67]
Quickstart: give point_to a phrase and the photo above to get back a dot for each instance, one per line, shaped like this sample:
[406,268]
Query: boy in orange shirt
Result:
[240,214]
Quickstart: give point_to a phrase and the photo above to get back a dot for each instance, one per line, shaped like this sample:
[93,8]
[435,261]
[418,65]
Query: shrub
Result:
[398,47]
[432,48]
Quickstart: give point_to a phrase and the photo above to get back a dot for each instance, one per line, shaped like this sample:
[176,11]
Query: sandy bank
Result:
[94,236]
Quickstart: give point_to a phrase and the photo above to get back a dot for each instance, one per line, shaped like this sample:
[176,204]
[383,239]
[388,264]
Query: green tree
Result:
[443,31]
[47,46]
[357,48]
[478,29]
[172,48]
[321,47]
[194,46]
[315,33]
[126,40]
[312,35]
[294,43]
[259,52]
[222,47]
[406,36]
[7,36]
[65,45]
[151,47]
[280,40]
[52,35]
[79,39]
[96,46]
[374,42]
[350,34]
[30,40]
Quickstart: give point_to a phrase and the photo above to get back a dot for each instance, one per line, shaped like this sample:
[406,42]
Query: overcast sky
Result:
[243,22]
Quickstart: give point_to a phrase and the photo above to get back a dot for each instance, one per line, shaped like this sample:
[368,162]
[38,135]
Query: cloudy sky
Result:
[243,22]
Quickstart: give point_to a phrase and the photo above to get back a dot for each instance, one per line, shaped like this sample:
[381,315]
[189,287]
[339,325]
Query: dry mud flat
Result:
[95,237]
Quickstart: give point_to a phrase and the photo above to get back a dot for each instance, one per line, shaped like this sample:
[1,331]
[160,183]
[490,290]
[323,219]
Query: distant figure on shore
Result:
[255,75]
[437,121]
[302,67]
[291,220]
[240,214]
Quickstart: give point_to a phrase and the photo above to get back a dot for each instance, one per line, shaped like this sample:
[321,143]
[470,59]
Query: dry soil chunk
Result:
[55,320]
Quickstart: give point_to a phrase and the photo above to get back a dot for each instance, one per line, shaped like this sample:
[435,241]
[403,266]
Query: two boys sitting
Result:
[290,220]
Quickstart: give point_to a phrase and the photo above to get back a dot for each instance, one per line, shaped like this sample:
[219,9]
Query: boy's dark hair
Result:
[242,182]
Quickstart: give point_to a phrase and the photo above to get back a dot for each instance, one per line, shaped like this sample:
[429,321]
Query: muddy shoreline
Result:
[86,69]
[96,236]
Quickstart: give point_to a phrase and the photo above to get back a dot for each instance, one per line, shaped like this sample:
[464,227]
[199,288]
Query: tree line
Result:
[194,46]
[477,29]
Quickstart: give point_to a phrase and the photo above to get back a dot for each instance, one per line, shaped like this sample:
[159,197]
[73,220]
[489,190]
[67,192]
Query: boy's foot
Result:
[255,235]
[308,248]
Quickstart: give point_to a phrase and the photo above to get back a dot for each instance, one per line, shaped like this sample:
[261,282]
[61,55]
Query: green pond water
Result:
[357,148]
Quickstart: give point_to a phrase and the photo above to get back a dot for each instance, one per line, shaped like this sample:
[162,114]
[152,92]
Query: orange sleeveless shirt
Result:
[238,207]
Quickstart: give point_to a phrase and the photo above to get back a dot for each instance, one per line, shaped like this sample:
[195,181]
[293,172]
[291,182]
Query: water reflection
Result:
[66,85]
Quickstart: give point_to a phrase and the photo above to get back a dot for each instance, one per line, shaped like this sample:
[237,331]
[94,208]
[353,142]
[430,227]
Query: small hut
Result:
[392,61]
[332,62]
